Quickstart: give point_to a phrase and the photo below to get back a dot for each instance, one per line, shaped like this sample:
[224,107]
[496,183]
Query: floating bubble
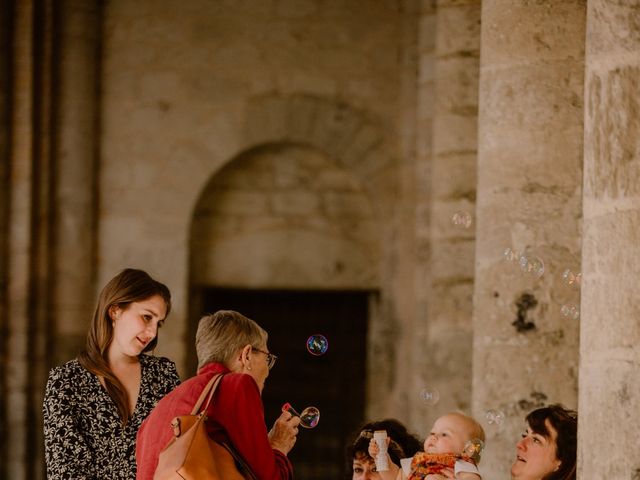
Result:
[473,449]
[570,310]
[509,255]
[309,417]
[461,219]
[531,265]
[494,417]
[572,279]
[430,396]
[317,344]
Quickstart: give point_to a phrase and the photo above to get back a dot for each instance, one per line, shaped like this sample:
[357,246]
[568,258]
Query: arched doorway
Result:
[286,236]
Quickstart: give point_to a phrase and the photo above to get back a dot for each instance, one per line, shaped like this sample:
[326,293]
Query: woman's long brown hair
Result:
[128,286]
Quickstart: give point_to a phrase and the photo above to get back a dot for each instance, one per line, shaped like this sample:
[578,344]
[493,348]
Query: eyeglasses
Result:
[271,358]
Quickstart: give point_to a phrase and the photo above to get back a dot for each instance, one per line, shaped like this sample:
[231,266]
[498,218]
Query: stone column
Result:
[76,163]
[392,314]
[5,172]
[19,244]
[30,200]
[5,122]
[529,199]
[445,364]
[41,281]
[424,145]
[610,328]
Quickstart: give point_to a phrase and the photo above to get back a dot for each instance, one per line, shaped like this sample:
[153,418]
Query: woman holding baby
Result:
[547,450]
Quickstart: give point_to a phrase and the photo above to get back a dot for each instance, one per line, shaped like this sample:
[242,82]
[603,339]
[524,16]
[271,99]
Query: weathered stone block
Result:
[611,137]
[294,203]
[458,29]
[266,119]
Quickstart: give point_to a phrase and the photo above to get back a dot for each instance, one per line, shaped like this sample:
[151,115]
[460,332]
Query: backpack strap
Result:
[209,389]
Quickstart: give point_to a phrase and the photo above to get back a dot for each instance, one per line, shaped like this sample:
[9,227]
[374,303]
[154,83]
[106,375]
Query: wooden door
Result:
[333,382]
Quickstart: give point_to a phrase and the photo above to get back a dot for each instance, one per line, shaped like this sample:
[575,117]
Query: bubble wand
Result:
[309,417]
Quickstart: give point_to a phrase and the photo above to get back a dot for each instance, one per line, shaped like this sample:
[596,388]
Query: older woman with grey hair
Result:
[236,346]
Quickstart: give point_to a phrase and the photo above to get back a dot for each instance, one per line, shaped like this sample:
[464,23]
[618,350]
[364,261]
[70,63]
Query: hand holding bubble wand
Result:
[309,417]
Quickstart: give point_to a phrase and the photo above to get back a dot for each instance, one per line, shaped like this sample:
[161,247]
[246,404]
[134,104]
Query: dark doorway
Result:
[333,382]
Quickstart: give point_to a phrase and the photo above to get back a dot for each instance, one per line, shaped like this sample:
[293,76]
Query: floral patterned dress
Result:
[83,434]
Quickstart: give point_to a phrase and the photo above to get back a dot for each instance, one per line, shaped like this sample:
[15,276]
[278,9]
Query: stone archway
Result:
[304,208]
[287,237]
[351,137]
[284,216]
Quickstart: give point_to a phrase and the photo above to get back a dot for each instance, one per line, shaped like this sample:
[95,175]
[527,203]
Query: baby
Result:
[449,439]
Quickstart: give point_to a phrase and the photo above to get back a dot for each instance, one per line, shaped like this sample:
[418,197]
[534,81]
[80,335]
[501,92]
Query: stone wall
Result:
[285,216]
[444,364]
[180,89]
[609,391]
[529,201]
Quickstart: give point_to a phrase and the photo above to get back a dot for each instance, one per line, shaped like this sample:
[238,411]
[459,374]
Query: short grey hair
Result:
[220,335]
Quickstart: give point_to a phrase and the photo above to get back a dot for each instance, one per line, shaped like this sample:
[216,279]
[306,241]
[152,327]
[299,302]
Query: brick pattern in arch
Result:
[347,135]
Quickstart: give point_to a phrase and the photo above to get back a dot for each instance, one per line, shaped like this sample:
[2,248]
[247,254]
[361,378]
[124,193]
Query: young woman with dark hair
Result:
[547,450]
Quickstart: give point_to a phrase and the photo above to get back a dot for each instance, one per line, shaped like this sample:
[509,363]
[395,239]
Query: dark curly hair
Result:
[402,445]
[565,423]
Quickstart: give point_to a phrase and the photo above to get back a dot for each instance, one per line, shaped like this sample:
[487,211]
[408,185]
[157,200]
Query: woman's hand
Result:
[373,448]
[284,433]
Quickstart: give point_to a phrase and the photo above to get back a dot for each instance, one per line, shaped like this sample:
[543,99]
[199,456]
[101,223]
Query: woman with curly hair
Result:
[402,444]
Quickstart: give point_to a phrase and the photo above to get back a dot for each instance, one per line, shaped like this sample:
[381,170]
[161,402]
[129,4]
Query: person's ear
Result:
[244,357]
[114,312]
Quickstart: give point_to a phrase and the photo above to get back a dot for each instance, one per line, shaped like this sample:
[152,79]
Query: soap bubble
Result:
[531,265]
[461,219]
[572,279]
[430,396]
[317,344]
[309,417]
[570,310]
[473,449]
[509,255]
[494,417]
